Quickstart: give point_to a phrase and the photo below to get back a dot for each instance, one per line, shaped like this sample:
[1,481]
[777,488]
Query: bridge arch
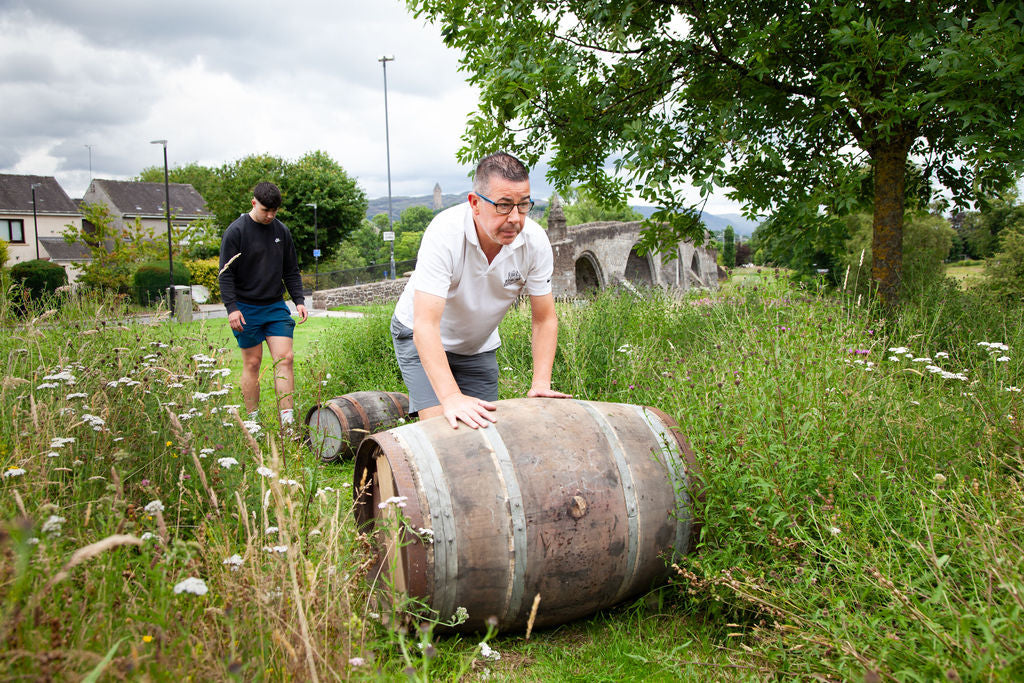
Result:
[589,277]
[638,268]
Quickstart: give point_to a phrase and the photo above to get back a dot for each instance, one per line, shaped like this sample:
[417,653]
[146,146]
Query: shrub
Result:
[1005,270]
[150,280]
[205,272]
[4,254]
[38,277]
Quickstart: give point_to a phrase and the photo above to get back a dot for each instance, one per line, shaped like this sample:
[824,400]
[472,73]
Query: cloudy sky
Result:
[222,79]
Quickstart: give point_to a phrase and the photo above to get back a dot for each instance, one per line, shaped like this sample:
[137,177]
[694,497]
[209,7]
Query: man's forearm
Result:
[543,343]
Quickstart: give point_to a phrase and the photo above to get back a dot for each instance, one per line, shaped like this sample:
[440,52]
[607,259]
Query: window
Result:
[12,230]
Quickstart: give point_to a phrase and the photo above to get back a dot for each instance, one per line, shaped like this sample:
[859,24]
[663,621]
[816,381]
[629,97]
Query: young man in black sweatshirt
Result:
[257,262]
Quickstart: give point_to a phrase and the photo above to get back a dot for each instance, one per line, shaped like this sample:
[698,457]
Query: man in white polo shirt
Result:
[474,261]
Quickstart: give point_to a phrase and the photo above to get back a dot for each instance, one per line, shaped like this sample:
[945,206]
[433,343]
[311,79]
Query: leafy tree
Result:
[367,240]
[743,255]
[115,253]
[347,257]
[729,247]
[232,195]
[1005,271]
[341,205]
[581,205]
[978,232]
[407,245]
[779,101]
[413,219]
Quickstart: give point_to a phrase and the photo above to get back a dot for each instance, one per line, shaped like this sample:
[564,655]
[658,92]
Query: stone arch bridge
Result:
[594,256]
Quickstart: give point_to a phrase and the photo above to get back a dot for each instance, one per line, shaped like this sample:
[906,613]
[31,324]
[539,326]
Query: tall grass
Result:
[861,514]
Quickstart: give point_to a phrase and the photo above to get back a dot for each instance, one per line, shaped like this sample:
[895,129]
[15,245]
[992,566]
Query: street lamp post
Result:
[89,147]
[35,216]
[316,251]
[167,204]
[387,146]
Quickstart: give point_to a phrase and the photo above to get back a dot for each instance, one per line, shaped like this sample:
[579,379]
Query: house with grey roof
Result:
[30,232]
[129,200]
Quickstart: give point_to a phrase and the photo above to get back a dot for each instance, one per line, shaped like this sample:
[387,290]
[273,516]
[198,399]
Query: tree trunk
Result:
[890,161]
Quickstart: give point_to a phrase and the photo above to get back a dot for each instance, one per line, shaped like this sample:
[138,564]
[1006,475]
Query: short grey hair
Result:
[499,164]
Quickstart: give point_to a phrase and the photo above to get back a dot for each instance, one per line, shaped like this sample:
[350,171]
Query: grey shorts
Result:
[476,375]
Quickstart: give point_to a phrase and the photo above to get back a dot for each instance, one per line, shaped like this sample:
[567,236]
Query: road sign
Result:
[316,253]
[389,236]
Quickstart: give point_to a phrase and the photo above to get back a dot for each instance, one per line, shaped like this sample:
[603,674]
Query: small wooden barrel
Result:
[579,502]
[338,426]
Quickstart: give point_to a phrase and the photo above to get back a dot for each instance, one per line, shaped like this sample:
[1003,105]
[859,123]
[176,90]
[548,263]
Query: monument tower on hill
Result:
[437,197]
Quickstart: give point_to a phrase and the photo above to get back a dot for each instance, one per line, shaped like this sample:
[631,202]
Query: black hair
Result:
[267,194]
[499,164]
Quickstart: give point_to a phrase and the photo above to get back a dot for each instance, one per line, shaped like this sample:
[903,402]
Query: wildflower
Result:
[78,395]
[835,531]
[95,422]
[146,536]
[860,352]
[316,532]
[487,653]
[53,454]
[356,661]
[234,562]
[939,478]
[922,359]
[1002,359]
[1013,389]
[288,482]
[226,463]
[48,385]
[271,530]
[276,548]
[13,472]
[191,585]
[154,506]
[147,639]
[398,501]
[941,354]
[203,452]
[252,427]
[265,472]
[898,349]
[168,444]
[52,525]
[32,541]
[64,376]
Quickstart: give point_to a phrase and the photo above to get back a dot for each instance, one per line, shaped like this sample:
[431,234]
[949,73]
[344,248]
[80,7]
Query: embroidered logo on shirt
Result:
[512,277]
[276,240]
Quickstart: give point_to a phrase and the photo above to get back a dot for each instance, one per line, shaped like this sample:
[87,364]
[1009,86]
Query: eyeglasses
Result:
[505,208]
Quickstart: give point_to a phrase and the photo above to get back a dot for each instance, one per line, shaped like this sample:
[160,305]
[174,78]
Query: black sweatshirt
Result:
[267,263]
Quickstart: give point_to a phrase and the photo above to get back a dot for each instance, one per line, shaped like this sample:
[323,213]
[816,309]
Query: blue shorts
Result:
[272,320]
[476,375]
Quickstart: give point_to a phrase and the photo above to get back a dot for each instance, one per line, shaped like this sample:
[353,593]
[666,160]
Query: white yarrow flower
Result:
[397,501]
[191,585]
[234,562]
[53,524]
[226,463]
[154,506]
[488,653]
[266,472]
[13,472]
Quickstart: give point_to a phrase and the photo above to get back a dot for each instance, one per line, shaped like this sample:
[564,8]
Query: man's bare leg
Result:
[251,359]
[284,373]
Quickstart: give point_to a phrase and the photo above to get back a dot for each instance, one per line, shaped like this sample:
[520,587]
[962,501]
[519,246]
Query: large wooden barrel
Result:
[337,426]
[578,501]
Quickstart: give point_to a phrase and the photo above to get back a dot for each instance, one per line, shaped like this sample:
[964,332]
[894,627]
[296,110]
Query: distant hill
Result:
[741,225]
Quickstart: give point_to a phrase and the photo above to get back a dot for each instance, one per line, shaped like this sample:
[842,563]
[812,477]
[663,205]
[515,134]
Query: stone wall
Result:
[384,291]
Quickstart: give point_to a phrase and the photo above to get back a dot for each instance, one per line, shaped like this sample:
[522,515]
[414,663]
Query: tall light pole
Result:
[167,204]
[387,146]
[316,251]
[89,147]
[35,216]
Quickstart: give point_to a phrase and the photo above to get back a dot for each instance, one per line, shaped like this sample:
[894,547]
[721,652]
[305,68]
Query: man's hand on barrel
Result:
[475,412]
[545,391]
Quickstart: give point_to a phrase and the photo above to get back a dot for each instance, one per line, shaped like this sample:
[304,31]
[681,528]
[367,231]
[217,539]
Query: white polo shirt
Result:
[452,265]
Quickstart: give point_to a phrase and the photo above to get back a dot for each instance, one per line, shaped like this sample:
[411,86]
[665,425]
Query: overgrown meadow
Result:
[861,503]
